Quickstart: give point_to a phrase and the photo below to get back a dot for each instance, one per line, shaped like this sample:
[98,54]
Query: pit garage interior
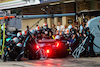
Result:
[63,11]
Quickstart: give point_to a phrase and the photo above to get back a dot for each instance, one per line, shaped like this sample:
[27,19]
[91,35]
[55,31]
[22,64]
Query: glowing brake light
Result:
[57,45]
[47,51]
[37,46]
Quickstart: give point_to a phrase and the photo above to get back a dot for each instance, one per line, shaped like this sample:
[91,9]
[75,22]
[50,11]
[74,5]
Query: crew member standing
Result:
[46,31]
[89,43]
[60,27]
[53,29]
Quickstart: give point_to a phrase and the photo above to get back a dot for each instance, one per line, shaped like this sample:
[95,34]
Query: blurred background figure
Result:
[65,27]
[53,29]
[41,27]
[27,28]
[36,27]
[60,27]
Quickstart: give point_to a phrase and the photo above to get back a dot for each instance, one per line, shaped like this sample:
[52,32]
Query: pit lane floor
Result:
[63,62]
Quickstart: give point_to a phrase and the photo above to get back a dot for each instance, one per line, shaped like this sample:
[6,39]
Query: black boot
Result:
[87,54]
[19,58]
[4,58]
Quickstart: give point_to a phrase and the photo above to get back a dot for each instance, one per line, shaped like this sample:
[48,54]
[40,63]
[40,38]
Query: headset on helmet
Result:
[19,34]
[57,37]
[19,44]
[15,40]
[24,33]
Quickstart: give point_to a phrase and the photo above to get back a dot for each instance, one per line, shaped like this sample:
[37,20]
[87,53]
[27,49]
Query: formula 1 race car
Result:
[53,47]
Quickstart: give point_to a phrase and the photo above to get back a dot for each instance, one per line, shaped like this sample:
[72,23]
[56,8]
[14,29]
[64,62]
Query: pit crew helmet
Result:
[45,25]
[19,44]
[67,31]
[15,40]
[24,33]
[19,34]
[3,27]
[32,31]
[57,37]
[38,28]
[70,27]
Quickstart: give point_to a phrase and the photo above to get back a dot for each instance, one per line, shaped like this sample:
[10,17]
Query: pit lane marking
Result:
[32,63]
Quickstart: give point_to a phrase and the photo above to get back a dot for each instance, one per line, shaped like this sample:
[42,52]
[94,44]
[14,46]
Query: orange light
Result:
[6,17]
[12,16]
[48,51]
[1,18]
[37,47]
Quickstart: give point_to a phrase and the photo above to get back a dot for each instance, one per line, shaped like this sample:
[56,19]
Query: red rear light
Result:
[57,45]
[48,51]
[37,46]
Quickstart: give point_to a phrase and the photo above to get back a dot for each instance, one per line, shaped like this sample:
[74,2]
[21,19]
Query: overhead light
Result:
[69,1]
[54,3]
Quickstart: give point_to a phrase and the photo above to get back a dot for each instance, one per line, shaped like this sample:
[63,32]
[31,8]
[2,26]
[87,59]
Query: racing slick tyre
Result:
[31,55]
[13,55]
[62,53]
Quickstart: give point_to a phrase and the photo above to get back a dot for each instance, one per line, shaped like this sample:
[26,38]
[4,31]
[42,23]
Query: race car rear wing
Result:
[46,41]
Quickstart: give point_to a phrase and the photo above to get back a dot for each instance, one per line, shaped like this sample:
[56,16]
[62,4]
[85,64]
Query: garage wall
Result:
[65,20]
[31,22]
[83,6]
[70,17]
